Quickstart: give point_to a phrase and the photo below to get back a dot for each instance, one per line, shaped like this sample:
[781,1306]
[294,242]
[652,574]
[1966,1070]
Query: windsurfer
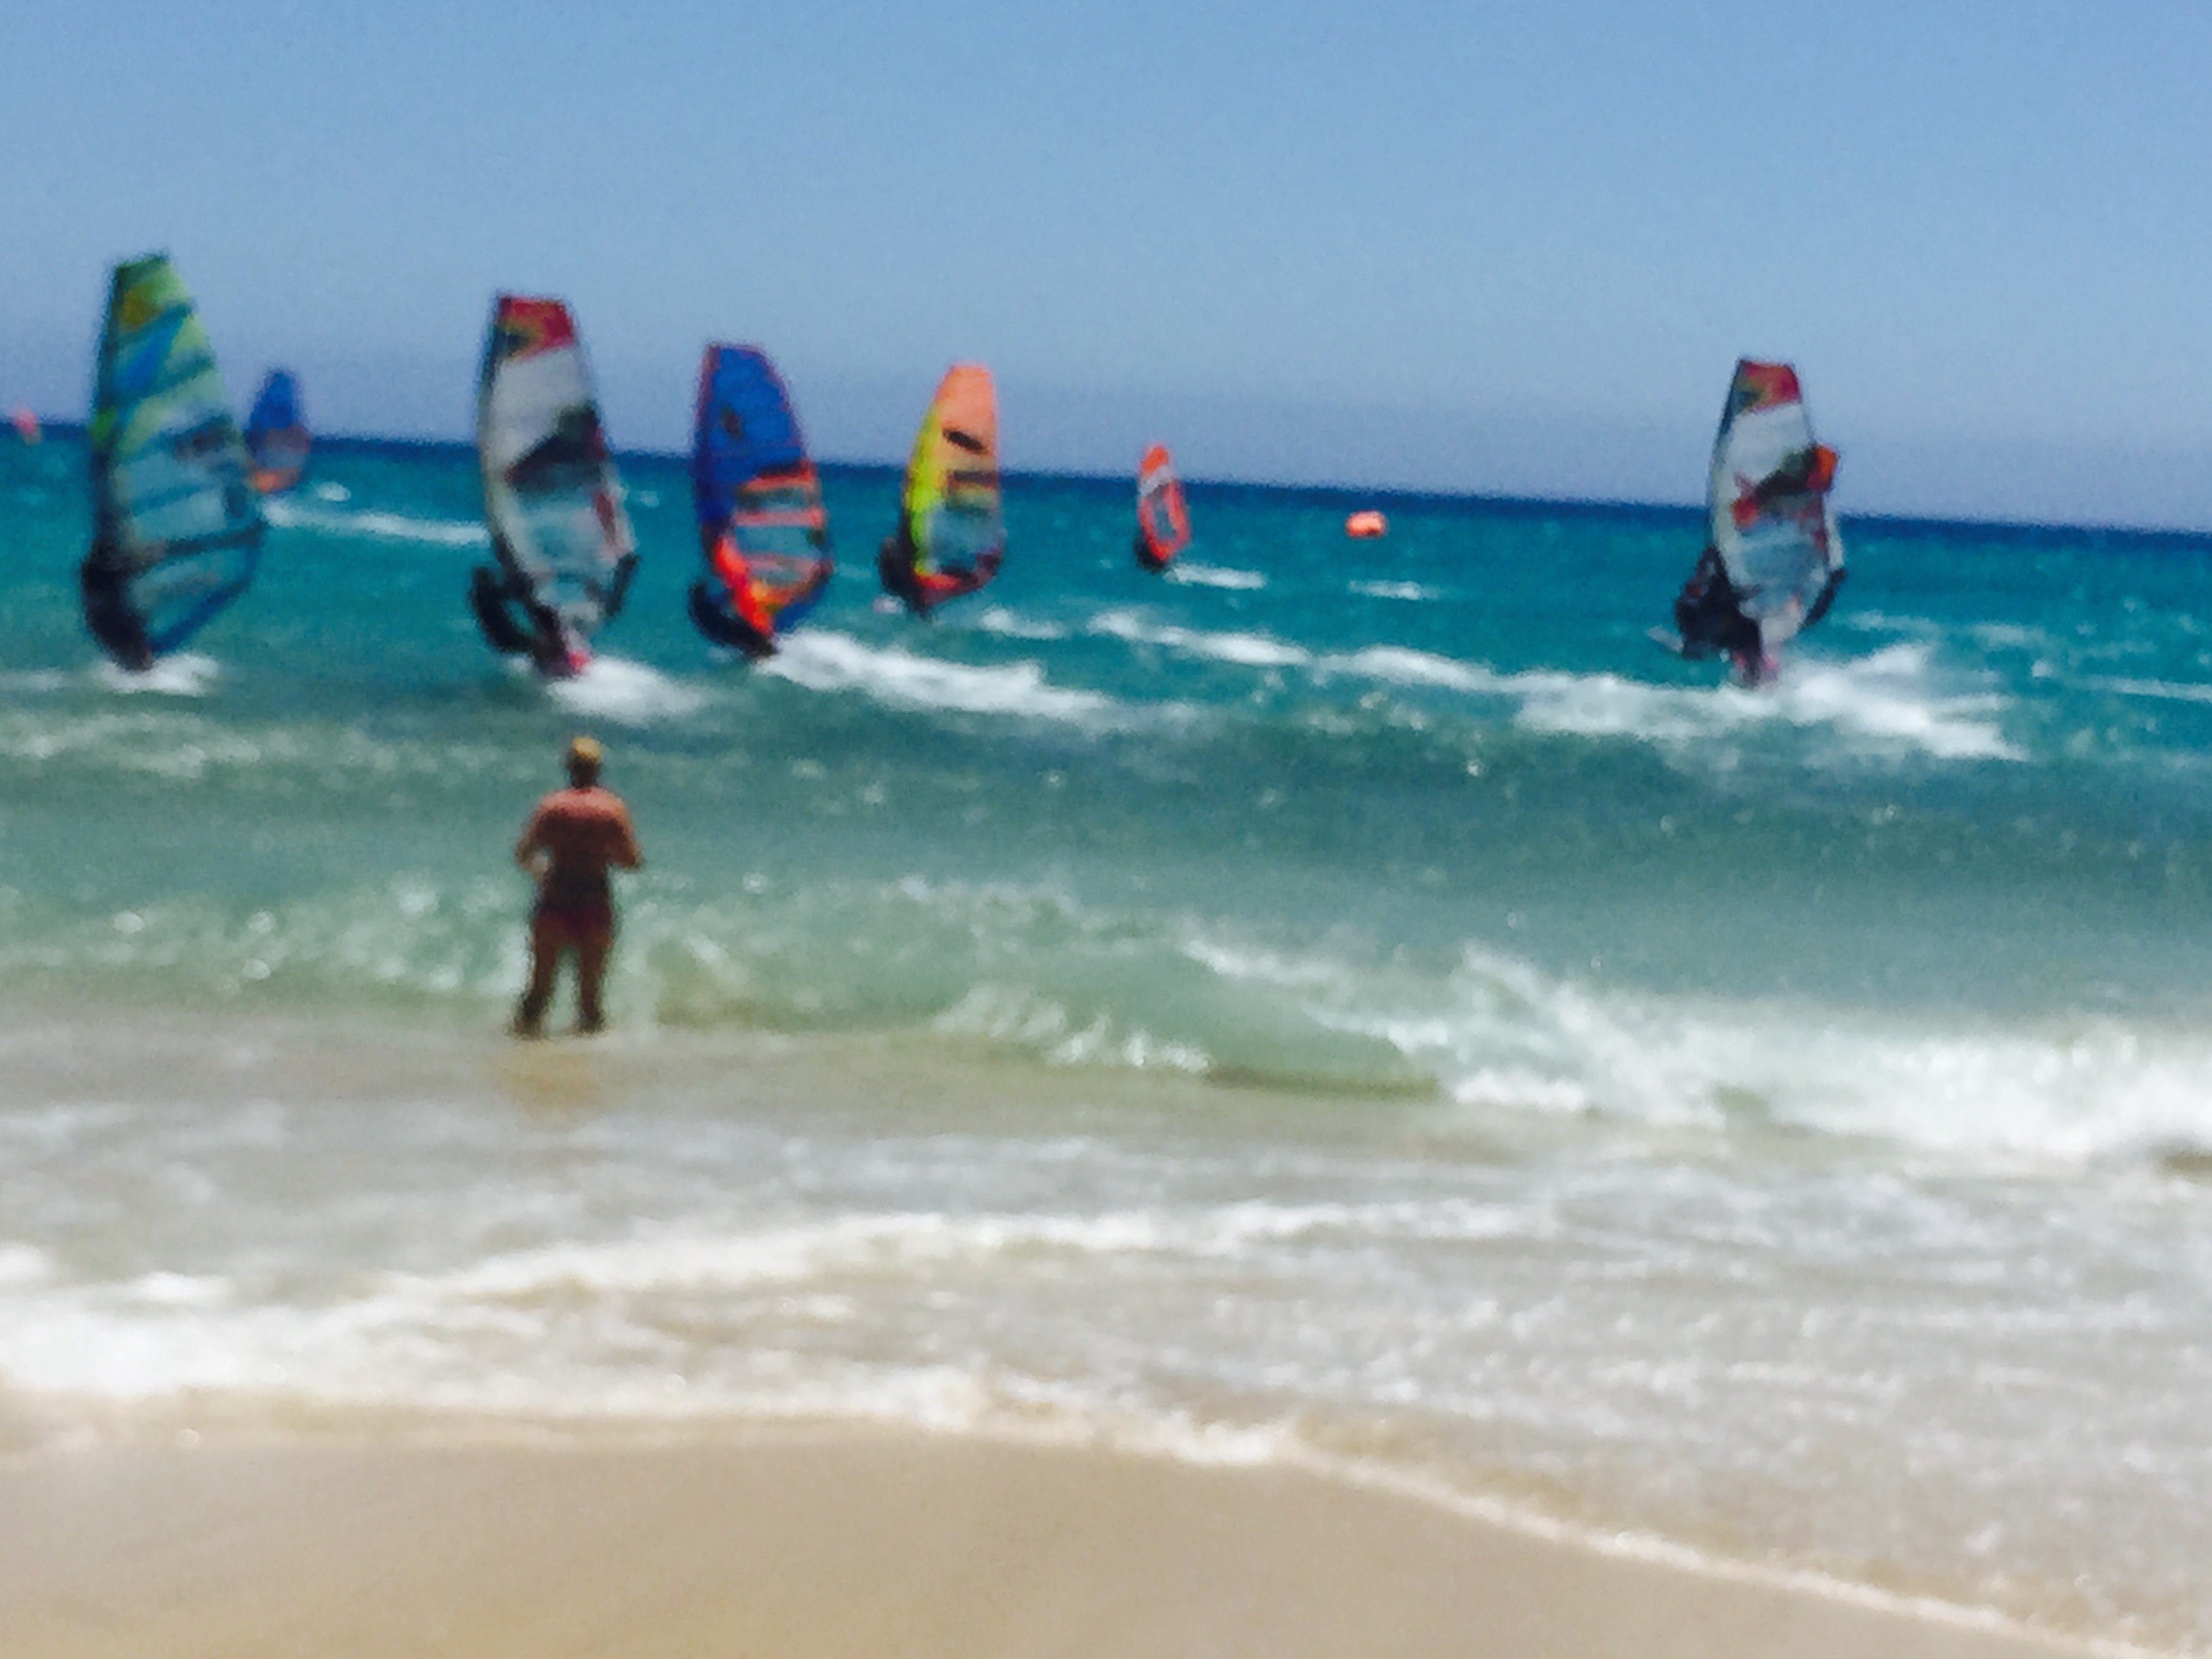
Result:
[1807,472]
[923,591]
[107,610]
[549,641]
[732,610]
[895,569]
[554,648]
[573,838]
[748,594]
[1709,615]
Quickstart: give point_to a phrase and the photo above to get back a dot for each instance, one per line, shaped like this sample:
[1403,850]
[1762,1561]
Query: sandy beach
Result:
[841,1544]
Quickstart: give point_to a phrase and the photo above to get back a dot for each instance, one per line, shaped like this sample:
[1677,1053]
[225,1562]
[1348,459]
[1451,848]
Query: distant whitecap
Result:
[381,526]
[1207,575]
[1410,591]
[822,661]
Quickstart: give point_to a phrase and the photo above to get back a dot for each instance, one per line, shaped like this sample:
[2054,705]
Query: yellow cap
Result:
[586,751]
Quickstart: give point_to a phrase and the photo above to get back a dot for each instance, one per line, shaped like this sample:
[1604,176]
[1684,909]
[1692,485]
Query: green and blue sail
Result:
[177,523]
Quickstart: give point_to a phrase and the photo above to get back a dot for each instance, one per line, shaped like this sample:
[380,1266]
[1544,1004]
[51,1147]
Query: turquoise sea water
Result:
[1349,1001]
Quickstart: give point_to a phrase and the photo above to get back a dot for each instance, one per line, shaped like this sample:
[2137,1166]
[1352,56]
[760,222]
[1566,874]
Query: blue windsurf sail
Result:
[177,527]
[763,532]
[277,434]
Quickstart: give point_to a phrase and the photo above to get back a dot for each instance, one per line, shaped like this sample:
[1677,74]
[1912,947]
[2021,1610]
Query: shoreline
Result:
[822,1541]
[328,1072]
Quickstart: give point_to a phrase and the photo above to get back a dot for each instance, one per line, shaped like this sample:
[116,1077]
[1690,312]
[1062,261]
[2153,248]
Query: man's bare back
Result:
[573,838]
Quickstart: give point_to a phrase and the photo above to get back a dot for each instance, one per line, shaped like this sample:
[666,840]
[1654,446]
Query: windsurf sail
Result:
[1767,502]
[176,526]
[277,434]
[1163,519]
[762,529]
[952,532]
[552,499]
[26,424]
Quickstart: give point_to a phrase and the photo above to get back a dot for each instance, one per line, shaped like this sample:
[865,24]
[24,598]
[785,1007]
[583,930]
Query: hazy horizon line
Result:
[2087,529]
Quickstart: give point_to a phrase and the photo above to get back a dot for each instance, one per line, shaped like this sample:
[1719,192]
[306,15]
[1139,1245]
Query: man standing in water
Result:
[571,839]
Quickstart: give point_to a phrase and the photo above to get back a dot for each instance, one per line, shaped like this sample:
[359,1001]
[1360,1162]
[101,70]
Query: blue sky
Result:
[1504,248]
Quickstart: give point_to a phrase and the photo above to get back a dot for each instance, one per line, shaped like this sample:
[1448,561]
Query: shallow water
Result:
[1347,1000]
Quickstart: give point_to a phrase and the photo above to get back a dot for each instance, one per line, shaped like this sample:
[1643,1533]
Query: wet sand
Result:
[848,1543]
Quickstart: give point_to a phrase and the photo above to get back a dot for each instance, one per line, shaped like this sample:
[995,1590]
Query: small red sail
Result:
[1163,519]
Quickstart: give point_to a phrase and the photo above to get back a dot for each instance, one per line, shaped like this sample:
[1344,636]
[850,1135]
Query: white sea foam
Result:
[332,492]
[187,674]
[144,741]
[1405,666]
[1859,619]
[353,1353]
[1024,1018]
[1502,1034]
[2159,690]
[824,660]
[1252,650]
[625,692]
[1396,591]
[1008,624]
[2009,636]
[1881,701]
[1888,697]
[1207,575]
[380,526]
[23,1264]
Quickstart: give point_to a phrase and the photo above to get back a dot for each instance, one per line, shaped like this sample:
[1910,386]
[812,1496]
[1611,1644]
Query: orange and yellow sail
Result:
[951,534]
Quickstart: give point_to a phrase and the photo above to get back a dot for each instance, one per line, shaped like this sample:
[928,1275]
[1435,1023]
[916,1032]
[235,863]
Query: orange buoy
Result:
[1364,526]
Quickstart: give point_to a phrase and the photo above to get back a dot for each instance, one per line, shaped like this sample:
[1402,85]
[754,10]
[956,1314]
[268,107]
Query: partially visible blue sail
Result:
[177,524]
[277,434]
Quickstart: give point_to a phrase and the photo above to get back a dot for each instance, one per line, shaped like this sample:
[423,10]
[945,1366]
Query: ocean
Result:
[1355,1004]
